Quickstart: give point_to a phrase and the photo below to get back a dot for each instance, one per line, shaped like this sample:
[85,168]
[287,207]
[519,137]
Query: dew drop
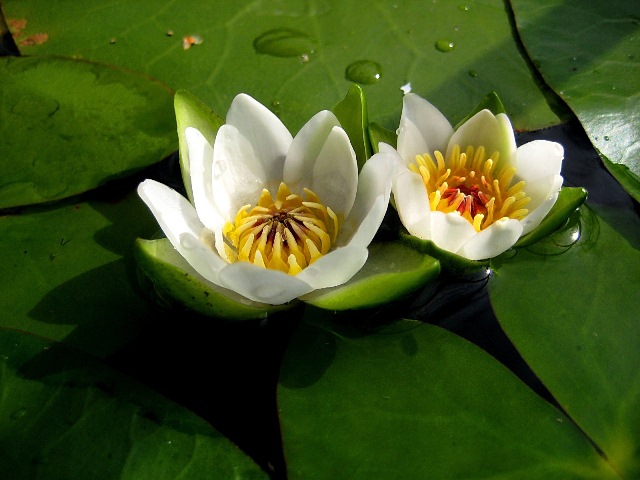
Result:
[284,42]
[606,138]
[18,414]
[364,72]
[188,241]
[464,8]
[472,73]
[219,168]
[275,106]
[444,45]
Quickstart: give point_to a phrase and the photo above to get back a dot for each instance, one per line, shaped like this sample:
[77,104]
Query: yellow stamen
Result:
[466,183]
[286,233]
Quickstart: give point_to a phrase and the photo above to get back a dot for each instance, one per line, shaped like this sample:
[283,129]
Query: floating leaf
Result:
[68,126]
[415,401]
[589,54]
[65,416]
[295,56]
[70,275]
[569,309]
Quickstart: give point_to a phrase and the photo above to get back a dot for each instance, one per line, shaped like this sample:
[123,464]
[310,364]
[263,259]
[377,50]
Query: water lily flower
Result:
[273,217]
[470,191]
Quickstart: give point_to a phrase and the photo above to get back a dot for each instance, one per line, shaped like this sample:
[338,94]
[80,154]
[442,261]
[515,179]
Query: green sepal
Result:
[490,102]
[449,261]
[191,112]
[175,281]
[392,271]
[378,133]
[569,199]
[351,111]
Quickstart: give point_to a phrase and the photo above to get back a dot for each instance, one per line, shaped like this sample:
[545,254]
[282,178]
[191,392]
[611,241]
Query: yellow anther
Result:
[466,183]
[286,233]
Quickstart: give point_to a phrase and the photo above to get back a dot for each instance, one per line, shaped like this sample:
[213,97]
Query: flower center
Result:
[466,184]
[286,234]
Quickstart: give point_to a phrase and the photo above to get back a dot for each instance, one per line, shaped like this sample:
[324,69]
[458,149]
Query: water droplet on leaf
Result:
[364,72]
[472,73]
[445,46]
[284,42]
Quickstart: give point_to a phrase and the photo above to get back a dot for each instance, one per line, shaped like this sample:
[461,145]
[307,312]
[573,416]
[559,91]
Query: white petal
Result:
[541,189]
[494,133]
[305,148]
[335,173]
[334,268]
[497,238]
[179,221]
[538,159]
[261,284]
[450,231]
[267,135]
[238,175]
[534,218]
[423,128]
[412,203]
[201,161]
[388,149]
[372,200]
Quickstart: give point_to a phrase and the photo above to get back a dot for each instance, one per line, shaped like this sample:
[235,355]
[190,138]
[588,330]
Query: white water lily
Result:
[470,192]
[273,217]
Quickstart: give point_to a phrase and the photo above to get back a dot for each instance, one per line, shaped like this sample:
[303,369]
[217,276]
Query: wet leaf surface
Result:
[68,126]
[296,56]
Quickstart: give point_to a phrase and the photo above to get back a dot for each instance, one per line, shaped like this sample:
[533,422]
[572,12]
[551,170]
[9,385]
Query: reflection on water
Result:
[581,228]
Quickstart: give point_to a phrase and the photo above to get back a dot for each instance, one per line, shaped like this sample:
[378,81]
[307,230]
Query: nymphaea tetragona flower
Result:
[470,192]
[273,217]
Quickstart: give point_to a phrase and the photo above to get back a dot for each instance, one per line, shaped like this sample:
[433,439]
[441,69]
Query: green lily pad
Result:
[415,401]
[175,280]
[569,199]
[353,116]
[589,54]
[298,58]
[68,126]
[66,416]
[569,310]
[69,273]
[392,271]
[191,112]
